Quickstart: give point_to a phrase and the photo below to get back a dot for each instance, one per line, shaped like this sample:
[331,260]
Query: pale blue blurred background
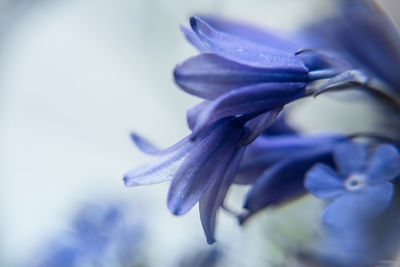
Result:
[76,77]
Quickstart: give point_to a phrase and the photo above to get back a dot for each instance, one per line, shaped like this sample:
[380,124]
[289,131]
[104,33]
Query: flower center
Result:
[355,181]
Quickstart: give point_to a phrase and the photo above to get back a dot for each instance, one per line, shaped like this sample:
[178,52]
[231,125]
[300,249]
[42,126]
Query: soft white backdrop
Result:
[75,78]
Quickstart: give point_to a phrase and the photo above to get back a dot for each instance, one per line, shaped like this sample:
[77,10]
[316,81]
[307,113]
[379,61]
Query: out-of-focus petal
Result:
[323,182]
[209,75]
[354,207]
[243,51]
[283,181]
[384,164]
[268,150]
[192,114]
[372,38]
[204,165]
[280,126]
[147,147]
[192,37]
[255,98]
[257,125]
[350,158]
[214,197]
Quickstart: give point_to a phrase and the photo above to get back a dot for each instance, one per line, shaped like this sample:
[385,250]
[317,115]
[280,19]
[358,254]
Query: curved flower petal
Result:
[260,36]
[280,126]
[372,38]
[192,37]
[323,182]
[257,125]
[160,170]
[283,181]
[356,206]
[214,197]
[243,51]
[209,75]
[255,98]
[384,164]
[204,165]
[146,147]
[268,150]
[350,158]
[192,115]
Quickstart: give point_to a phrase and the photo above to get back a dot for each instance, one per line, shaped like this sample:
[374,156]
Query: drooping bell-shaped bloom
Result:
[360,188]
[201,170]
[242,70]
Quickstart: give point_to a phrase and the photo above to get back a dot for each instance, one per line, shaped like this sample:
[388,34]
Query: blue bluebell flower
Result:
[200,170]
[98,237]
[276,165]
[361,188]
[242,70]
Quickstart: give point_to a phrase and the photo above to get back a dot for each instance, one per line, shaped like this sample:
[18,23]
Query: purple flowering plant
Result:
[239,134]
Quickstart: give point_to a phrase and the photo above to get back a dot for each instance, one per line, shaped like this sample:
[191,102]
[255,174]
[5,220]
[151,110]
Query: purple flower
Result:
[360,188]
[242,70]
[200,170]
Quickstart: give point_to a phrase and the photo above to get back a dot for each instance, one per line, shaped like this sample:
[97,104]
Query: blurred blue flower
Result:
[361,188]
[99,236]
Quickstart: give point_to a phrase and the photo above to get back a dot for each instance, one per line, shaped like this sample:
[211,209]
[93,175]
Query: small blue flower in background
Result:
[361,187]
[99,236]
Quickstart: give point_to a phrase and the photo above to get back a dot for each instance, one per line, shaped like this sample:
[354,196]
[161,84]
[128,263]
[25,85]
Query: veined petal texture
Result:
[251,99]
[214,197]
[209,75]
[205,164]
[243,51]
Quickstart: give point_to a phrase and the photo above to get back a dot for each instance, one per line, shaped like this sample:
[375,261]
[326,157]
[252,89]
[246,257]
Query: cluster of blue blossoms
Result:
[239,134]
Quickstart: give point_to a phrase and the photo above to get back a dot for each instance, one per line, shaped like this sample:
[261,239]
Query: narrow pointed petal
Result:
[214,197]
[257,125]
[144,145]
[243,51]
[384,164]
[256,98]
[192,37]
[192,114]
[160,170]
[323,182]
[357,206]
[350,158]
[280,126]
[203,166]
[147,147]
[283,181]
[209,76]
